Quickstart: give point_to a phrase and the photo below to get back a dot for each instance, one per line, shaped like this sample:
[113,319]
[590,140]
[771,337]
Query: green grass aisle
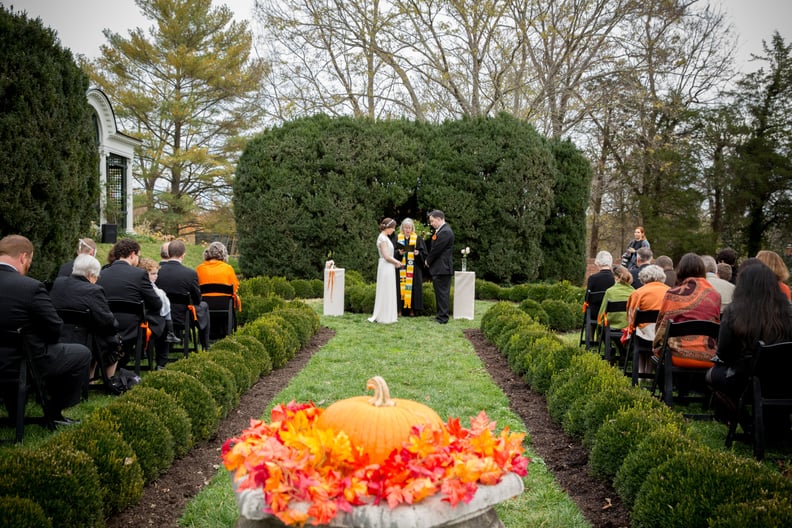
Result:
[423,361]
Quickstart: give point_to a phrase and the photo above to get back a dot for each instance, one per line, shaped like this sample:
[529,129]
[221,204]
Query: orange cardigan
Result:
[218,272]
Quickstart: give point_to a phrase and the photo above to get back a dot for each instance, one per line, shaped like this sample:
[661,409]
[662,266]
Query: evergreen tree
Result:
[190,92]
[49,182]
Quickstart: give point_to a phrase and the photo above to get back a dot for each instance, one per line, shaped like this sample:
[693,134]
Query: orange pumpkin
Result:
[377,424]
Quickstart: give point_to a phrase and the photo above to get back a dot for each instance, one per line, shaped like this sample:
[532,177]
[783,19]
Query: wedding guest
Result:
[440,262]
[410,250]
[643,257]
[723,287]
[693,299]
[647,297]
[603,279]
[85,246]
[79,291]
[152,269]
[215,269]
[758,311]
[665,262]
[728,256]
[725,272]
[177,279]
[774,261]
[385,305]
[620,291]
[25,303]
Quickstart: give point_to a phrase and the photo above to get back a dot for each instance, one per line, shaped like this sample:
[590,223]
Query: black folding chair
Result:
[77,329]
[610,337]
[637,345]
[15,384]
[138,311]
[666,371]
[591,305]
[222,309]
[186,329]
[768,386]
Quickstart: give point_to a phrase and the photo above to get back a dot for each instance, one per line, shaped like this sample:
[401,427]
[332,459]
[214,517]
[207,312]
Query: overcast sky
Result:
[79,23]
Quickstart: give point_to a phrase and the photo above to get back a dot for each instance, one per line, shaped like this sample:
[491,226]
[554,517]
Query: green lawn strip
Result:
[422,361]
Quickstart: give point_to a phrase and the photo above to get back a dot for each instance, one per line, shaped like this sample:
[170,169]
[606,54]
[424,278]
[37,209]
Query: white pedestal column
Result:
[334,291]
[464,294]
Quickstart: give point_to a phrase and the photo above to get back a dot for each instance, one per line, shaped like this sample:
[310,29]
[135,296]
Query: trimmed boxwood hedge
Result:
[257,350]
[217,379]
[64,483]
[146,435]
[192,396]
[235,363]
[168,411]
[18,512]
[116,463]
[762,513]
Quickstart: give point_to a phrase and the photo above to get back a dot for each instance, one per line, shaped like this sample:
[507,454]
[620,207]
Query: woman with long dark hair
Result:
[758,311]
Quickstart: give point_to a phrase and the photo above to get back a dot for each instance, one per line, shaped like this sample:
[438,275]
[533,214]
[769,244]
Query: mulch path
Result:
[164,500]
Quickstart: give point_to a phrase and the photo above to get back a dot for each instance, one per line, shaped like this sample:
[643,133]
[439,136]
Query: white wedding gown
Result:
[385,303]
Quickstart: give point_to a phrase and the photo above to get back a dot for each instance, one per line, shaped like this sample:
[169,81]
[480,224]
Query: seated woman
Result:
[79,291]
[774,261]
[620,291]
[648,297]
[215,269]
[758,311]
[693,299]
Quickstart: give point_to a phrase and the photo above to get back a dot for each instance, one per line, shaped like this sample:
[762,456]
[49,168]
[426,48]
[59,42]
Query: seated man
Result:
[176,278]
[24,303]
[79,291]
[124,281]
[85,246]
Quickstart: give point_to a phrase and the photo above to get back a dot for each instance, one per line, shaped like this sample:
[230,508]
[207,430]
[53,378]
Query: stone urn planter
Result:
[432,512]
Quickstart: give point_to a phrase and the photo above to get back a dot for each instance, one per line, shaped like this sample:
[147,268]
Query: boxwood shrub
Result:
[254,306]
[573,383]
[300,323]
[617,437]
[687,489]
[116,463]
[317,288]
[548,360]
[144,432]
[521,345]
[281,287]
[562,316]
[217,379]
[762,513]
[18,512]
[192,396]
[490,316]
[257,350]
[63,482]
[520,292]
[302,288]
[653,449]
[270,333]
[486,290]
[610,381]
[359,298]
[236,365]
[535,310]
[168,411]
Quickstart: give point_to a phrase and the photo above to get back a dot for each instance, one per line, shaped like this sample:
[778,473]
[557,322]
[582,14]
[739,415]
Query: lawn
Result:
[421,361]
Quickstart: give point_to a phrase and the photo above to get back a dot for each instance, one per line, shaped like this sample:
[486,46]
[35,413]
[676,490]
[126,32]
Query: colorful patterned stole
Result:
[407,269]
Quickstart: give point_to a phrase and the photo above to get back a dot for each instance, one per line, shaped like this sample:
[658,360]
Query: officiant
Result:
[411,250]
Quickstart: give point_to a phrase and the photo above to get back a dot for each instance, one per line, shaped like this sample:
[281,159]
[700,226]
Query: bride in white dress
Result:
[385,303]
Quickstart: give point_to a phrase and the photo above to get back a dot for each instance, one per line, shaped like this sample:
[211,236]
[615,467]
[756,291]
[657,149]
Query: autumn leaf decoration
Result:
[295,462]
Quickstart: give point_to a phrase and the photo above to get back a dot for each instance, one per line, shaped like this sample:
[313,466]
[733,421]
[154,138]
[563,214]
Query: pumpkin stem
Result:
[381,392]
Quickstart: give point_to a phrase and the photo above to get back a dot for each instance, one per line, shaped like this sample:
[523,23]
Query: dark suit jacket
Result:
[441,252]
[24,302]
[600,281]
[125,282]
[77,293]
[66,269]
[176,278]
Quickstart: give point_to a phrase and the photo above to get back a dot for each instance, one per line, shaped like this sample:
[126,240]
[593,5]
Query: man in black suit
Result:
[124,281]
[85,246]
[440,262]
[176,278]
[24,303]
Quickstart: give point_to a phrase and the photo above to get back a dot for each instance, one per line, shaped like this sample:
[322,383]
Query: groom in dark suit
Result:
[441,262]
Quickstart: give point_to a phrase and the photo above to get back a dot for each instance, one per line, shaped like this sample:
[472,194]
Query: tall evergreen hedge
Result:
[316,188]
[49,165]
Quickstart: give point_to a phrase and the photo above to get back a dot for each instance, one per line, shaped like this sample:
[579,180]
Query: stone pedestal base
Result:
[429,513]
